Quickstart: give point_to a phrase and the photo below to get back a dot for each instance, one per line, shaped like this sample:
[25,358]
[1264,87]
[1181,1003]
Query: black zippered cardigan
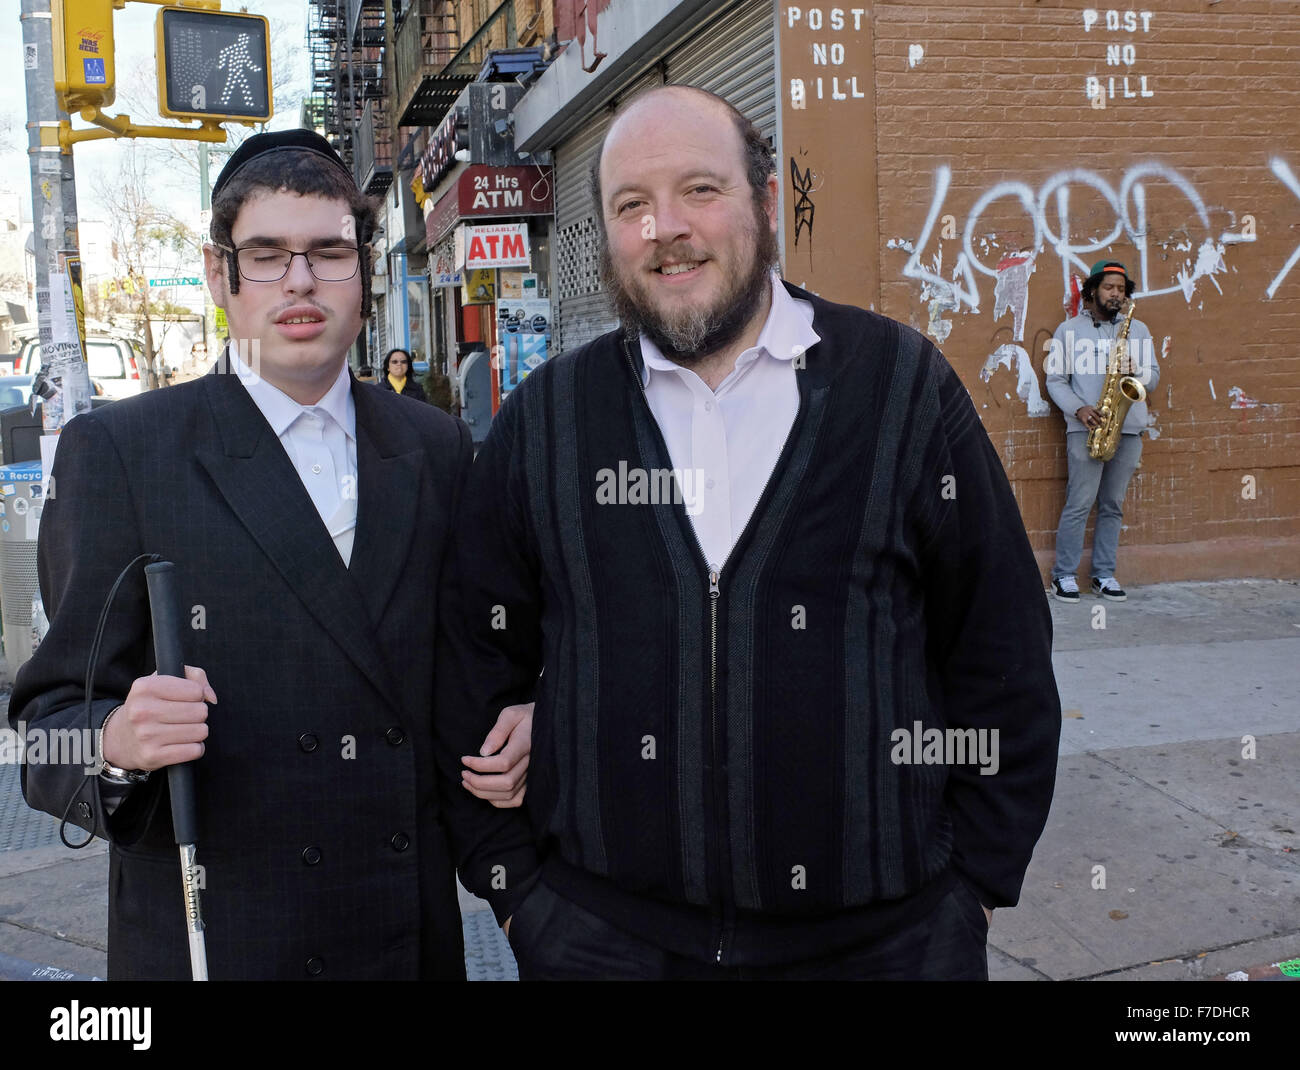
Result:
[711,769]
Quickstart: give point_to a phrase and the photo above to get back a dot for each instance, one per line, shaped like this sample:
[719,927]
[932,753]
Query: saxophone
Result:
[1118,394]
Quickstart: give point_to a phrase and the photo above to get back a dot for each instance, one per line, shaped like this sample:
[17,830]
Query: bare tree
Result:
[145,235]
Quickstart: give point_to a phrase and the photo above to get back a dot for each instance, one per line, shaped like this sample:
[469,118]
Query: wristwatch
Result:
[111,773]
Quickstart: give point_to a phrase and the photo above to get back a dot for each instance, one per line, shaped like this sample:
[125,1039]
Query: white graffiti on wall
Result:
[1047,210]
[1287,177]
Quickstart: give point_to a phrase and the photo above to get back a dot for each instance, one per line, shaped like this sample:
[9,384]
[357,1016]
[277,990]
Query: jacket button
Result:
[83,809]
[395,736]
[315,967]
[311,855]
[400,841]
[308,742]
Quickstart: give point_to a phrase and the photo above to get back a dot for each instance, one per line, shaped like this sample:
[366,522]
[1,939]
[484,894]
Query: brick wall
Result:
[573,18]
[534,21]
[1206,133]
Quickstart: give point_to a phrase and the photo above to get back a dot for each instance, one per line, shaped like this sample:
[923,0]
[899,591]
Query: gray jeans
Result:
[1103,482]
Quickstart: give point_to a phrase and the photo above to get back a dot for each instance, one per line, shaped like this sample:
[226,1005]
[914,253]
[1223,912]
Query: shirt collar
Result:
[281,410]
[787,331]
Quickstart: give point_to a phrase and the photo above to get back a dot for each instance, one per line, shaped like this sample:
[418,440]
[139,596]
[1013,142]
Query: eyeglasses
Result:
[270,263]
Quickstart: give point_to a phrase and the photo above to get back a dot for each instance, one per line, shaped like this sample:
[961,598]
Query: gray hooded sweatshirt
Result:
[1076,366]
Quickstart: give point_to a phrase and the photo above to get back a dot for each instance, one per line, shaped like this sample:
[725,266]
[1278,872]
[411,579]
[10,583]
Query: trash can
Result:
[20,519]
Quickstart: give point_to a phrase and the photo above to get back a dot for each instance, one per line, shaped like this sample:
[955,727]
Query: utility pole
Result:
[74,68]
[205,214]
[54,220]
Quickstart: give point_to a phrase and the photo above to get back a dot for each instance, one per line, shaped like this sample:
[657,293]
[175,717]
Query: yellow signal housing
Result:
[84,74]
[213,65]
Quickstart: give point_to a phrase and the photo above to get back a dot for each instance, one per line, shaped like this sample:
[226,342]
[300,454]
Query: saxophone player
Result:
[1077,366]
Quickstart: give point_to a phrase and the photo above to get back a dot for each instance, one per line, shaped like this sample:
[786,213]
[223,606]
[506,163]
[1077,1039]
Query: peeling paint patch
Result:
[914,54]
[900,243]
[939,328]
[1209,261]
[1011,293]
[1212,393]
[939,297]
[1027,386]
[1240,400]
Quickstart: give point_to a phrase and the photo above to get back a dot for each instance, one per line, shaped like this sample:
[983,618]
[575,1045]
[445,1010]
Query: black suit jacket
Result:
[319,832]
[410,388]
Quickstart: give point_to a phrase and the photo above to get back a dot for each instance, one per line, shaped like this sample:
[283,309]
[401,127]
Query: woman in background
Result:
[397,375]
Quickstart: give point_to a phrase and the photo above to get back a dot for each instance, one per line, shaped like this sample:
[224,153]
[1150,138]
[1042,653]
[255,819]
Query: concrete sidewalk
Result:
[1199,844]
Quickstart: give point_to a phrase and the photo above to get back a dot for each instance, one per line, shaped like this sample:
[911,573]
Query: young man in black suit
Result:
[306,515]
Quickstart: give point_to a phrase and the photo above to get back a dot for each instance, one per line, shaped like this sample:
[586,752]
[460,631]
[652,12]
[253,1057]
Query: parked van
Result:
[114,363]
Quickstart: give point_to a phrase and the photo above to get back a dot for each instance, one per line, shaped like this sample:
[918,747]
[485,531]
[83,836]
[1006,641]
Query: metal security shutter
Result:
[735,57]
[584,310]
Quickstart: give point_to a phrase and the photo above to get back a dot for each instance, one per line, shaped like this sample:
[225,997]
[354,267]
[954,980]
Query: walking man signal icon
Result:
[215,65]
[236,61]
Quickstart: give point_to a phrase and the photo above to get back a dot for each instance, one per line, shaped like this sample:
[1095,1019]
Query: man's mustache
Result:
[675,255]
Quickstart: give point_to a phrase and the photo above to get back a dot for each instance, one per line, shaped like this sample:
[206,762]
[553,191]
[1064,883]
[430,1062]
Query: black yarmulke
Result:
[300,140]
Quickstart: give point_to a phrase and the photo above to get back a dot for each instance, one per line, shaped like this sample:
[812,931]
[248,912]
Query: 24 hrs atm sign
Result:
[515,191]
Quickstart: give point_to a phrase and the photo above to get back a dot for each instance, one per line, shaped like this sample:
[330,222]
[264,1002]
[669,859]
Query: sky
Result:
[97,161]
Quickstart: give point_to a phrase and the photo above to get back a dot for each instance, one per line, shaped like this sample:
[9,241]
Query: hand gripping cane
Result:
[161,579]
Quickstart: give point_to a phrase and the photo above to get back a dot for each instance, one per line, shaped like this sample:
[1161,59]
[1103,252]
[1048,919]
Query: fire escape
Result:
[349,100]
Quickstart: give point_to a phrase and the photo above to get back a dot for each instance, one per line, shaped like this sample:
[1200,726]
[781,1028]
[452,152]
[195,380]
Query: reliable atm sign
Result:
[501,245]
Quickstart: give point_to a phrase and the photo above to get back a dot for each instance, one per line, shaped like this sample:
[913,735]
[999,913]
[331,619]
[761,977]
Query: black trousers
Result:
[554,939]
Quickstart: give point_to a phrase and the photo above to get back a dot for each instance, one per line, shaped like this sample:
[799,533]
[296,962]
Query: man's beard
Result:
[1106,312]
[688,334]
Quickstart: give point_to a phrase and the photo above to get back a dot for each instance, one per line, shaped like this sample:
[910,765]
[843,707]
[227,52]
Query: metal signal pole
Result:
[54,212]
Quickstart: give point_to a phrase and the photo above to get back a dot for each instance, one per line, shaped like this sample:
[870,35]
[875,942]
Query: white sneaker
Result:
[1066,589]
[1108,587]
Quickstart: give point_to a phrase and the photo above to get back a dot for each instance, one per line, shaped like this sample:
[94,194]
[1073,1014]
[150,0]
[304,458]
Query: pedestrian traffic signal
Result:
[213,65]
[83,53]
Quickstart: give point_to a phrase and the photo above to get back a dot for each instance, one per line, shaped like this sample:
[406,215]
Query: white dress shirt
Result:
[724,443]
[321,441]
